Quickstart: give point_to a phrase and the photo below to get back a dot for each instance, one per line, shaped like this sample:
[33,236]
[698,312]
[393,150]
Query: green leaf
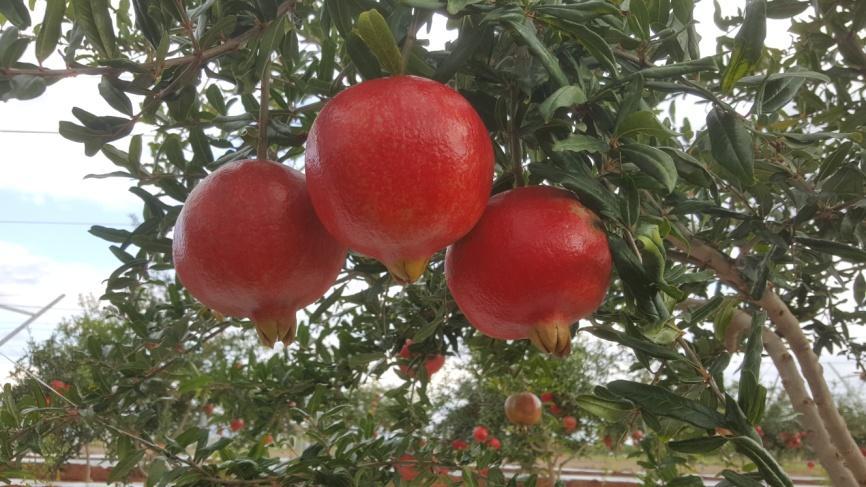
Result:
[704,444]
[49,32]
[125,465]
[589,190]
[363,59]
[374,31]
[84,18]
[748,45]
[656,163]
[785,9]
[679,69]
[13,47]
[578,12]
[359,360]
[608,409]
[222,27]
[845,251]
[564,97]
[859,289]
[777,94]
[457,6]
[662,402]
[114,96]
[24,87]
[740,480]
[596,45]
[272,36]
[16,12]
[470,39]
[752,395]
[795,73]
[146,23]
[645,346]
[104,26]
[639,19]
[731,145]
[767,465]
[110,234]
[643,122]
[526,31]
[580,143]
[215,98]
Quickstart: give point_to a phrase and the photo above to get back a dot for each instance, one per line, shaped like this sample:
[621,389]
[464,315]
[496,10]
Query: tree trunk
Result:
[788,327]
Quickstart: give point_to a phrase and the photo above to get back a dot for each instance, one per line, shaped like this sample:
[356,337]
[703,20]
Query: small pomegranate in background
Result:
[480,433]
[810,465]
[237,424]
[268,439]
[207,409]
[546,397]
[407,467]
[432,364]
[554,409]
[636,436]
[536,262]
[459,445]
[569,424]
[398,169]
[523,408]
[59,386]
[759,430]
[608,442]
[494,443]
[248,244]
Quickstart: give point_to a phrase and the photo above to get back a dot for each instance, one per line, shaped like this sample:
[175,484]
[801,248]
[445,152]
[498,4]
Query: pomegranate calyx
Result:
[407,271]
[554,339]
[271,330]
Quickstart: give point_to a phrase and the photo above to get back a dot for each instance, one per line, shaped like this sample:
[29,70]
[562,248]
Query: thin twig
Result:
[262,151]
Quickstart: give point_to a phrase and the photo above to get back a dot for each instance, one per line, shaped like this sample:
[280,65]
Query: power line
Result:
[51,222]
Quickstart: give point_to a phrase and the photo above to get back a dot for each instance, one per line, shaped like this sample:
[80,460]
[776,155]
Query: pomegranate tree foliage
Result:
[579,94]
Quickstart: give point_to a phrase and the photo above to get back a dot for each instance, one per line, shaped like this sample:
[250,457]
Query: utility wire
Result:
[50,222]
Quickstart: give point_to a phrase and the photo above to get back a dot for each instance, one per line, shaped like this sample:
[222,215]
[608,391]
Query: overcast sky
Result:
[46,205]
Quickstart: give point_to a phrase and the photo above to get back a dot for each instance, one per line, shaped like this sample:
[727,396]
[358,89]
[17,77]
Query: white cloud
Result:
[29,281]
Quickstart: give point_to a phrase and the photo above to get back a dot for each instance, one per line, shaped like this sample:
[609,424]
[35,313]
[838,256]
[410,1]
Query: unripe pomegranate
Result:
[459,444]
[480,433]
[523,408]
[432,364]
[248,244]
[569,424]
[237,424]
[494,443]
[406,467]
[535,263]
[399,168]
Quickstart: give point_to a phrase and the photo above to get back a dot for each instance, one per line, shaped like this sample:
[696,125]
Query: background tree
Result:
[757,215]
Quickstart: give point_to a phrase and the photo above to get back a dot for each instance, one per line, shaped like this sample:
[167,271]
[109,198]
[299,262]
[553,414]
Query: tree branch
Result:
[788,326]
[228,46]
[816,432]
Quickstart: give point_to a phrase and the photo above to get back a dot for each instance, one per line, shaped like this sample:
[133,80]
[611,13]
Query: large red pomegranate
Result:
[535,263]
[399,168]
[248,244]
[432,364]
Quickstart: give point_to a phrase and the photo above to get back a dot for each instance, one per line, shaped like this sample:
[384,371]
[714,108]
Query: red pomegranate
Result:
[554,409]
[237,424]
[608,442]
[569,424]
[406,467]
[480,433]
[208,409]
[636,436]
[759,430]
[399,168]
[432,364]
[523,408]
[494,443]
[59,386]
[248,244]
[535,263]
[546,397]
[459,445]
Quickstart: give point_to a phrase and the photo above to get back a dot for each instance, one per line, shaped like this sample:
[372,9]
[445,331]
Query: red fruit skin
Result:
[406,467]
[759,430]
[810,465]
[637,435]
[569,424]
[536,258]
[208,409]
[494,443]
[608,442]
[248,243]
[399,167]
[555,410]
[480,433]
[432,364]
[59,385]
[459,445]
[546,397]
[237,424]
